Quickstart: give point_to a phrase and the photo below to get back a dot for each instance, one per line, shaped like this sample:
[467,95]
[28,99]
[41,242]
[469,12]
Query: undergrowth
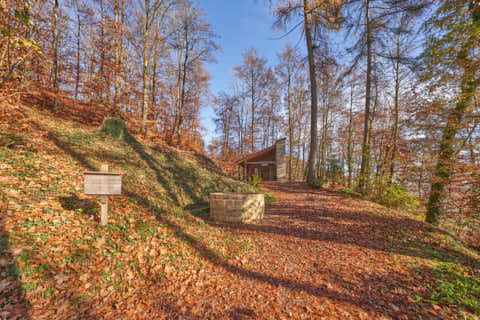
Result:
[350,192]
[455,286]
[270,199]
[316,184]
[396,196]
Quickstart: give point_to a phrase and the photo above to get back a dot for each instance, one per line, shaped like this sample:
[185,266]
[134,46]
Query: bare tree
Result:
[194,42]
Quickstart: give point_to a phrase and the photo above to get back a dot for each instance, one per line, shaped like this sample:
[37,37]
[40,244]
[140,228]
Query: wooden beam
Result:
[261,162]
[104,203]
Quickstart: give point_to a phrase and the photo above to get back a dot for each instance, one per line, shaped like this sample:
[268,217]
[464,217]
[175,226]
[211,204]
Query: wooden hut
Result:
[269,164]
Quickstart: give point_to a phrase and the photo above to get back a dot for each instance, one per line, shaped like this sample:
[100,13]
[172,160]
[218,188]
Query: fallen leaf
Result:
[4,284]
[61,278]
[169,269]
[4,262]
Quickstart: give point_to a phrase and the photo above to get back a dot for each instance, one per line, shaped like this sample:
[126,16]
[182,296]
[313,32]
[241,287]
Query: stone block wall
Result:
[237,207]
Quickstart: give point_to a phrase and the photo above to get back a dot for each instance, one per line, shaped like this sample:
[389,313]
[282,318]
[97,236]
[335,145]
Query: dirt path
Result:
[321,255]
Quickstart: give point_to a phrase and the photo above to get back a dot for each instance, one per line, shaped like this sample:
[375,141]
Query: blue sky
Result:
[240,24]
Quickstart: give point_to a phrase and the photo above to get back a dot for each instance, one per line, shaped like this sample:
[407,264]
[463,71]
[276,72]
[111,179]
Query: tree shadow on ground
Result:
[153,164]
[360,294]
[242,314]
[158,168]
[199,210]
[72,153]
[397,235]
[83,306]
[86,206]
[13,304]
[111,157]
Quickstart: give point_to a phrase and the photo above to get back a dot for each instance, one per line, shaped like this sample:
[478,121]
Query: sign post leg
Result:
[104,202]
[104,211]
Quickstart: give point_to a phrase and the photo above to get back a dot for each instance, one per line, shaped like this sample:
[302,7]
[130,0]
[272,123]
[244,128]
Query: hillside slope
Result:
[56,260]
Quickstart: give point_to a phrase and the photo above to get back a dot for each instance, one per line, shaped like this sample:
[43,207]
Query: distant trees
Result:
[370,114]
[18,47]
[193,42]
[248,115]
[153,13]
[226,107]
[287,69]
[255,78]
[142,59]
[317,16]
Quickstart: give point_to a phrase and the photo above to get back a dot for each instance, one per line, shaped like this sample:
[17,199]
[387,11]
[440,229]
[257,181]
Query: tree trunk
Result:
[77,79]
[365,164]
[252,126]
[119,9]
[395,115]
[121,53]
[145,60]
[446,158]
[349,141]
[181,115]
[323,141]
[102,76]
[290,124]
[55,52]
[313,95]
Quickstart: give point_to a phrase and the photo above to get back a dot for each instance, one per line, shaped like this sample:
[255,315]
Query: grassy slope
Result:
[57,258]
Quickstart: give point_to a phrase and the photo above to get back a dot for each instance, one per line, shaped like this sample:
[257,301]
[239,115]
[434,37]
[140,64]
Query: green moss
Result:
[351,192]
[316,184]
[114,127]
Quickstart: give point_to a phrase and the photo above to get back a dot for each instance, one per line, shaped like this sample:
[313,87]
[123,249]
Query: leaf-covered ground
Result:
[316,255]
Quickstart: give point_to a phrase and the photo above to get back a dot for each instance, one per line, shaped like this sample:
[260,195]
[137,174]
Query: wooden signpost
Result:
[103,184]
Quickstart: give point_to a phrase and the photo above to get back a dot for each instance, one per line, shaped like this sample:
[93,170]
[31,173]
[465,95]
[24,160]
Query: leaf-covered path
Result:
[326,256]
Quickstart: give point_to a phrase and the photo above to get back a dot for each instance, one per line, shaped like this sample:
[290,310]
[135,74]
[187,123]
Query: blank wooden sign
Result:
[102,183]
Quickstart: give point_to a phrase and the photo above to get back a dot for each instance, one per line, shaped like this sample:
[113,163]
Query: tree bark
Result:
[119,13]
[290,122]
[102,76]
[55,51]
[365,164]
[349,141]
[181,115]
[313,95]
[145,61]
[77,78]
[396,111]
[446,158]
[252,125]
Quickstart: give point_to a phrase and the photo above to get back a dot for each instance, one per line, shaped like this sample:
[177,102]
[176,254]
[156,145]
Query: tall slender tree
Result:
[454,49]
[317,15]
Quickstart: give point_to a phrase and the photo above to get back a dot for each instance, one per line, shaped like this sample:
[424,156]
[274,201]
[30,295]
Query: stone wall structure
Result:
[237,207]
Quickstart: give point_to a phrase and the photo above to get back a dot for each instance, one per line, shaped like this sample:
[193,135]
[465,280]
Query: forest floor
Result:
[318,254]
